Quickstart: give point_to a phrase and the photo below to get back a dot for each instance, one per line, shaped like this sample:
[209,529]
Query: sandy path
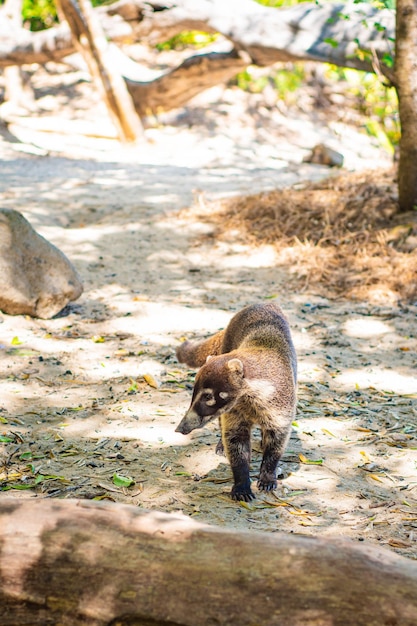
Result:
[78,396]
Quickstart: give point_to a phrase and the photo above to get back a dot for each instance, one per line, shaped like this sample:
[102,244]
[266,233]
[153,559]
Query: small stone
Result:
[323,155]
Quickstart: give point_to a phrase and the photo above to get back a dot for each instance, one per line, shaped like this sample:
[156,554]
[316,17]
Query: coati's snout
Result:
[213,393]
[203,409]
[189,422]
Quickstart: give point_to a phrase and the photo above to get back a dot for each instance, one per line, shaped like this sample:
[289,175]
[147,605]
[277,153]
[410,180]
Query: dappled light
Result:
[379,378]
[147,430]
[219,239]
[103,402]
[364,328]
[216,210]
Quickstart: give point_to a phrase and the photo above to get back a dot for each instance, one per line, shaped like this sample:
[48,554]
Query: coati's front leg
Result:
[220,447]
[274,443]
[236,438]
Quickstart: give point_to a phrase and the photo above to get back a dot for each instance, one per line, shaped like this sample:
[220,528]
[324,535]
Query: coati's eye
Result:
[207,398]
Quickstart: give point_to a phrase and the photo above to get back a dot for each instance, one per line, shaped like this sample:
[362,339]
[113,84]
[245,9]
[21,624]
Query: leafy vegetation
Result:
[363,93]
[374,100]
[189,38]
[281,3]
[379,4]
[39,14]
[42,14]
[286,80]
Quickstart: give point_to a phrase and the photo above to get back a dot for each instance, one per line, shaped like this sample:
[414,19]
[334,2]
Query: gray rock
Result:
[36,278]
[323,155]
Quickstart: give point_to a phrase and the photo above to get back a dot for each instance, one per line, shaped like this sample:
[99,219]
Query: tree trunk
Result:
[406,85]
[91,42]
[85,563]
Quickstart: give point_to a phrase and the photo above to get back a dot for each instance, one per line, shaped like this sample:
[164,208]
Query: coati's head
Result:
[217,386]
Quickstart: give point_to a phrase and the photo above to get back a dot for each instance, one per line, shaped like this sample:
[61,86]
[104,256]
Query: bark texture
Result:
[92,563]
[174,89]
[406,84]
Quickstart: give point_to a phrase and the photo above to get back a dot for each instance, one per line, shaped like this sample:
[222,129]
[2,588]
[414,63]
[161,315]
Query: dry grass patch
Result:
[342,236]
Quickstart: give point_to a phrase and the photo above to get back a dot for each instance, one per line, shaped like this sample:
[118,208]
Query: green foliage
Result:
[379,4]
[364,92]
[288,81]
[194,38]
[39,14]
[248,81]
[281,3]
[285,81]
[374,100]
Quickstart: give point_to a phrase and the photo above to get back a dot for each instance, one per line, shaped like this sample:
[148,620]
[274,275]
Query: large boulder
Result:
[36,278]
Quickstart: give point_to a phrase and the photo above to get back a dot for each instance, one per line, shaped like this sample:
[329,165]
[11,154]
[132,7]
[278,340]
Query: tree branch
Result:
[357,36]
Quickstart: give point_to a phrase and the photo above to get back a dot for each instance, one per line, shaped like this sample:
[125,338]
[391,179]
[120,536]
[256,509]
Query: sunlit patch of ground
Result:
[95,395]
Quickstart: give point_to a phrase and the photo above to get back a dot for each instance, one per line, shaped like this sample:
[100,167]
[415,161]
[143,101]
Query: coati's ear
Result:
[235,366]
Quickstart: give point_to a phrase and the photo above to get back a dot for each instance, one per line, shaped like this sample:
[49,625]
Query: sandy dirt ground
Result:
[90,399]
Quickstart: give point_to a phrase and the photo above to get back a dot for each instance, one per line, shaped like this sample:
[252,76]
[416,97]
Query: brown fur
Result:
[250,378]
[195,353]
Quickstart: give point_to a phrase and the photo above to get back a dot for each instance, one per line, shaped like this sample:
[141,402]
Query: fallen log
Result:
[357,36]
[175,88]
[344,34]
[84,563]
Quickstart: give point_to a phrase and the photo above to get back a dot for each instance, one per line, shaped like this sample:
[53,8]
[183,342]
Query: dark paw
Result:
[266,484]
[220,448]
[242,494]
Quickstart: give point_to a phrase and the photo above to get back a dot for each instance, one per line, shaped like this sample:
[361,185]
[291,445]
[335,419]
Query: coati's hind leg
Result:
[236,438]
[274,443]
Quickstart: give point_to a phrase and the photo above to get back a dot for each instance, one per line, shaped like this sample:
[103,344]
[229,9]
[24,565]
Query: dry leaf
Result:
[152,382]
[376,477]
[121,352]
[307,461]
[246,505]
[399,543]
[327,432]
[98,339]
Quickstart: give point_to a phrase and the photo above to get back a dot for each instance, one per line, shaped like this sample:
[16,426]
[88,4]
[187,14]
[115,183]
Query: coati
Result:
[247,376]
